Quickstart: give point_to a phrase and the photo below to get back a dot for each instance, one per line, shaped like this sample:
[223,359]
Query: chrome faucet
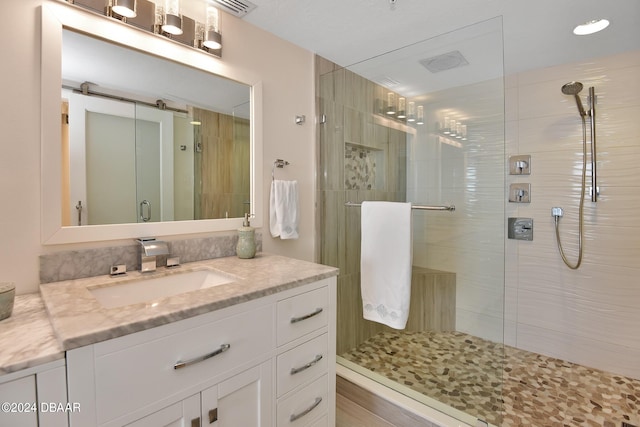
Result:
[149,249]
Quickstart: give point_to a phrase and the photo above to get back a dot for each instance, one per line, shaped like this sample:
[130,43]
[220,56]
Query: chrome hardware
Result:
[306,316]
[118,270]
[300,119]
[520,165]
[594,175]
[295,417]
[278,163]
[147,217]
[213,415]
[222,349]
[450,208]
[520,229]
[557,212]
[79,209]
[173,262]
[520,193]
[150,248]
[307,366]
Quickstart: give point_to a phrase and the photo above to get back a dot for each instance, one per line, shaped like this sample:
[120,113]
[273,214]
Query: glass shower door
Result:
[397,130]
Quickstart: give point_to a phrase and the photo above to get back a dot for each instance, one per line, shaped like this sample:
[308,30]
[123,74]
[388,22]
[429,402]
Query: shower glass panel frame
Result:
[458,284]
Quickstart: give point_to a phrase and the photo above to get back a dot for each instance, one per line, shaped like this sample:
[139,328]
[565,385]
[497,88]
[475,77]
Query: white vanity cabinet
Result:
[242,400]
[266,362]
[35,397]
[306,358]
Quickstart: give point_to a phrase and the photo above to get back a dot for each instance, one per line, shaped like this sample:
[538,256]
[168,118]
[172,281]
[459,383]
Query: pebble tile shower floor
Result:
[501,384]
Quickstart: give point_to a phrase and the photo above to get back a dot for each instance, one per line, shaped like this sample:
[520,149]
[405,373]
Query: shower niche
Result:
[363,167]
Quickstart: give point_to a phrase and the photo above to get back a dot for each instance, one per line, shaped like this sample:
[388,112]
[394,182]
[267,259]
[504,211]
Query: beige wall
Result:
[591,315]
[287,77]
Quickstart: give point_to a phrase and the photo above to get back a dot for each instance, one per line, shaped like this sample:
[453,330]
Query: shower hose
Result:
[581,210]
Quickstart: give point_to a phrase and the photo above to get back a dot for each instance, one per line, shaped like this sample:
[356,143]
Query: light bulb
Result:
[391,110]
[126,8]
[411,116]
[447,126]
[420,120]
[212,37]
[401,108]
[172,23]
[591,27]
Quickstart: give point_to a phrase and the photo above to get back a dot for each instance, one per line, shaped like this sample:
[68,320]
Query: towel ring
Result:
[278,163]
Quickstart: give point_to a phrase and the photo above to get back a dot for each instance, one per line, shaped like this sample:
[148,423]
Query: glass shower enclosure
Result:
[423,124]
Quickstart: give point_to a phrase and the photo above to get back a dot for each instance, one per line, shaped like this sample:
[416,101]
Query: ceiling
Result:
[535,34]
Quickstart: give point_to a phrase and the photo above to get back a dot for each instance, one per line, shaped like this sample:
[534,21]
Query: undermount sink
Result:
[148,289]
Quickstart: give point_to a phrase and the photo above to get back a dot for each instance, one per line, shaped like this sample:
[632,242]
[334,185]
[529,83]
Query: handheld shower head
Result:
[574,88]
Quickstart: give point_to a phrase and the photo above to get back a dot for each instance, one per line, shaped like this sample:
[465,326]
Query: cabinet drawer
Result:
[131,378]
[305,407]
[322,422]
[301,364]
[302,314]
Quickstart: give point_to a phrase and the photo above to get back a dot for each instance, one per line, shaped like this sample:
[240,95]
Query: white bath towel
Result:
[283,209]
[385,262]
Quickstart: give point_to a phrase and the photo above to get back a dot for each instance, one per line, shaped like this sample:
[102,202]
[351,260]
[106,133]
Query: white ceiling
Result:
[537,33]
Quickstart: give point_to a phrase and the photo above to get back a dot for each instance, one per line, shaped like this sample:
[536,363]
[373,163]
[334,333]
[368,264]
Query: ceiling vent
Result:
[237,8]
[386,81]
[446,61]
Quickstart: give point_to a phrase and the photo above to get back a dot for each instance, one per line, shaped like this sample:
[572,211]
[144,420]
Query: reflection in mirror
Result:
[149,140]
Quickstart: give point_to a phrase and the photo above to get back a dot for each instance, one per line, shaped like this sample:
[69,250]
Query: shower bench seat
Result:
[433,300]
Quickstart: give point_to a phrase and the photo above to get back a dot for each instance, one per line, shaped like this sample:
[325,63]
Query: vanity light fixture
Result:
[126,8]
[446,128]
[391,104]
[411,114]
[591,27]
[212,38]
[401,108]
[420,120]
[172,22]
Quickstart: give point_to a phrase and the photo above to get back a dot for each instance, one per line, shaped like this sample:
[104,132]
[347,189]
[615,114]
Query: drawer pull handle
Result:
[222,349]
[213,415]
[307,366]
[306,316]
[295,417]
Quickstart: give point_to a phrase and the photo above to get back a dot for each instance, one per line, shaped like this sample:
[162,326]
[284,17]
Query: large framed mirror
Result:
[155,139]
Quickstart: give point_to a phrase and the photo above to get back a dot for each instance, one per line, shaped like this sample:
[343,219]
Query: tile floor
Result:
[501,384]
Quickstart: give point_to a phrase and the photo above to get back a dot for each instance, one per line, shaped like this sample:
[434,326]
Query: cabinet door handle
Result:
[213,415]
[295,417]
[147,217]
[306,316]
[222,349]
[307,366]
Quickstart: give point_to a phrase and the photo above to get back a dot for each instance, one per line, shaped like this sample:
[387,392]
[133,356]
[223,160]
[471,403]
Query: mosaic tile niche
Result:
[363,167]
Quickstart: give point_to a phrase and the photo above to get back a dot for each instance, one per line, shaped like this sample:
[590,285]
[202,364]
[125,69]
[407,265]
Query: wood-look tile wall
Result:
[348,102]
[222,166]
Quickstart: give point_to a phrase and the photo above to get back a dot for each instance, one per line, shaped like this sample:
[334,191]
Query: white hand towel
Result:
[385,263]
[283,209]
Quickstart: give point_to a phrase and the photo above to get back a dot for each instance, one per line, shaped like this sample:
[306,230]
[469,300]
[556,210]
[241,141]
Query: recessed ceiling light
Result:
[591,27]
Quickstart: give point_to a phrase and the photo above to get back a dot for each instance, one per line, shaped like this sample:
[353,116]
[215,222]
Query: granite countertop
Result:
[27,336]
[78,319]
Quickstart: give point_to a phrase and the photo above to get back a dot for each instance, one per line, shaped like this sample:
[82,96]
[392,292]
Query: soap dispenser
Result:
[246,247]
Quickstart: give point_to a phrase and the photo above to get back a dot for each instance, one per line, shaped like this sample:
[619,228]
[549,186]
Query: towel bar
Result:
[450,208]
[278,163]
